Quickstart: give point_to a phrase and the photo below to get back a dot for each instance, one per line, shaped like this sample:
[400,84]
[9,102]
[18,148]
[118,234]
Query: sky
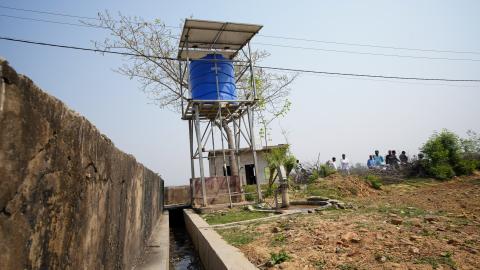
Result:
[330,115]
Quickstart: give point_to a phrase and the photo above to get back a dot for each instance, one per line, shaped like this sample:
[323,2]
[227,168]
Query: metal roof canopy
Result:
[200,38]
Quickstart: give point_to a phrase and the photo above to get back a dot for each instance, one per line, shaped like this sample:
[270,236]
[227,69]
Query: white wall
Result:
[246,157]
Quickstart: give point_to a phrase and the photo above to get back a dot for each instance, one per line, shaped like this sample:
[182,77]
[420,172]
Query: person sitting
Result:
[403,158]
[371,162]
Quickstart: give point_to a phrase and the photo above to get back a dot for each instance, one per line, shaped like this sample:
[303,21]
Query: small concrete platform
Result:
[157,253]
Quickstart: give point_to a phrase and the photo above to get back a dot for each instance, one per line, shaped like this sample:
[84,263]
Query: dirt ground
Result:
[413,225]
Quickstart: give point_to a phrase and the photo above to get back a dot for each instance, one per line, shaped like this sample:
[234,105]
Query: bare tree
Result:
[153,63]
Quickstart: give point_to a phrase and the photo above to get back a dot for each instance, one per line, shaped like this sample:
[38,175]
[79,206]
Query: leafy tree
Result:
[152,62]
[276,157]
[289,163]
[444,158]
[471,145]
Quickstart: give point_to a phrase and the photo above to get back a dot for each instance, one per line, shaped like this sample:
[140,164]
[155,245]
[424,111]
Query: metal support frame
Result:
[254,152]
[202,115]
[200,154]
[192,163]
[204,132]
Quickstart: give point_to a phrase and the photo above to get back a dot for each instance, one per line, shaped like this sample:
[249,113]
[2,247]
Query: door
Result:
[228,172]
[250,174]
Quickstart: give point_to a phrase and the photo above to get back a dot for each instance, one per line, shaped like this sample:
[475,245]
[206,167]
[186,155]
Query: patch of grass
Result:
[347,267]
[237,237]
[469,242]
[420,182]
[403,211]
[353,191]
[448,260]
[428,260]
[331,214]
[441,213]
[232,215]
[279,240]
[319,265]
[362,224]
[374,181]
[286,225]
[435,262]
[475,181]
[250,189]
[378,257]
[460,221]
[318,190]
[268,192]
[277,258]
[426,232]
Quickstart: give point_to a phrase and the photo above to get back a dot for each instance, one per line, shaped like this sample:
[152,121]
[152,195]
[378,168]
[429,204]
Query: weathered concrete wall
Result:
[217,190]
[68,198]
[177,195]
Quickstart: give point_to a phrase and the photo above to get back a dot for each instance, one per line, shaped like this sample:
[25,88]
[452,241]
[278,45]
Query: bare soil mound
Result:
[417,224]
[347,185]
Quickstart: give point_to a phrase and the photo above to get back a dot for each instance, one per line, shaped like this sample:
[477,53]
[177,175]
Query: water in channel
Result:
[182,252]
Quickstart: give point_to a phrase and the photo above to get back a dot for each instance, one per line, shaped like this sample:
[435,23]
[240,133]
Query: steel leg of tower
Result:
[200,155]
[254,151]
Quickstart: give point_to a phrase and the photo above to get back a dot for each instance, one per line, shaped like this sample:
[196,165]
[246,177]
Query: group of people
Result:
[391,160]
[375,161]
[344,164]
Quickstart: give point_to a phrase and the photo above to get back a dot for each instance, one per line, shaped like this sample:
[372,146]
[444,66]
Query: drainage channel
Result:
[182,251]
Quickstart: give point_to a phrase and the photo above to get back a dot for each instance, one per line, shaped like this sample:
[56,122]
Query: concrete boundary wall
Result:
[217,190]
[69,199]
[178,195]
[215,253]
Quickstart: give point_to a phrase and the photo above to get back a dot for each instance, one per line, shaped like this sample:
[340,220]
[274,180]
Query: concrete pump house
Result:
[247,167]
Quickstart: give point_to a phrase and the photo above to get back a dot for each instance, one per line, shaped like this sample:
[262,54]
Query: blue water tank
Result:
[203,78]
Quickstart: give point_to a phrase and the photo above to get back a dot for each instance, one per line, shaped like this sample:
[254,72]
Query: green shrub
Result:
[446,157]
[441,171]
[279,240]
[466,167]
[270,190]
[276,258]
[280,156]
[326,170]
[289,163]
[314,176]
[374,181]
[250,189]
[319,265]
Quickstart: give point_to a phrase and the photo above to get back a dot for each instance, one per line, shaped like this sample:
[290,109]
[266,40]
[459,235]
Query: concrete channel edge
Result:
[215,253]
[157,255]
